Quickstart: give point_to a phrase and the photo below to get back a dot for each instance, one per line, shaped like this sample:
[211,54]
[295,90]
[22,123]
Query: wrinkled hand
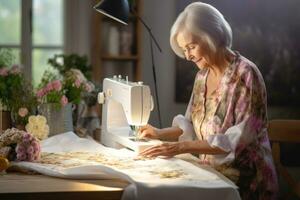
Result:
[148,131]
[167,149]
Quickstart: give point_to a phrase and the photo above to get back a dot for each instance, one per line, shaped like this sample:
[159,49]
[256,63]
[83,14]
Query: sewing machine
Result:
[126,107]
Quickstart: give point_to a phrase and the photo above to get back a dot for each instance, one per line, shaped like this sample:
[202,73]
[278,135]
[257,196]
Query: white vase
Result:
[59,118]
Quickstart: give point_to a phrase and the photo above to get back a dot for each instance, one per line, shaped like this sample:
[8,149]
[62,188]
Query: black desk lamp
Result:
[119,11]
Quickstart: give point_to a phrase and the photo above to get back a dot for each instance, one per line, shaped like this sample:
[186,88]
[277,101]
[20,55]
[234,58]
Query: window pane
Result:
[40,63]
[14,58]
[10,22]
[47,22]
[16,53]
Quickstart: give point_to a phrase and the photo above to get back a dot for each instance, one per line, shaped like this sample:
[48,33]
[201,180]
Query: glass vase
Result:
[59,118]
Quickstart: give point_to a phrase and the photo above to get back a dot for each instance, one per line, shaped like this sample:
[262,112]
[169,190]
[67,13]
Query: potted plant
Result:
[6,58]
[65,62]
[57,95]
[16,96]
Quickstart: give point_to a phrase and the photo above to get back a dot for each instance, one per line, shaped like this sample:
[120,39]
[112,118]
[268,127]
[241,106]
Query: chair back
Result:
[284,131]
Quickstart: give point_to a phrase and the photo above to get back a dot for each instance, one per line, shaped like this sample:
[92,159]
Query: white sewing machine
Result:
[125,104]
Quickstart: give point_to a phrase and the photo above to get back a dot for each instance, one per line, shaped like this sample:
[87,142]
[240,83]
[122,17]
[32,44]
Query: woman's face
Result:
[192,49]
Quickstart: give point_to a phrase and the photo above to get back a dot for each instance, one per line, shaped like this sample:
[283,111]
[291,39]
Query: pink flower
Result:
[77,83]
[20,149]
[30,150]
[30,157]
[56,85]
[64,100]
[37,148]
[23,112]
[3,71]
[49,87]
[21,156]
[40,93]
[27,137]
[35,144]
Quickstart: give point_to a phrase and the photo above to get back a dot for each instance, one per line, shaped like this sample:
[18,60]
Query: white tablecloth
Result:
[68,156]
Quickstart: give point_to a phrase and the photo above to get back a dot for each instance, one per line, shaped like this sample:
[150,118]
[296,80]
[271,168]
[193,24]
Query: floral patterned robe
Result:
[234,119]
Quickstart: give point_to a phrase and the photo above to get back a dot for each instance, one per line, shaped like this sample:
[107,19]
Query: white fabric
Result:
[196,182]
[186,126]
[227,141]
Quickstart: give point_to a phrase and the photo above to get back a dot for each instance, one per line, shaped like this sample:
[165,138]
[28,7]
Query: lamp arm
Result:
[147,27]
[155,84]
[152,38]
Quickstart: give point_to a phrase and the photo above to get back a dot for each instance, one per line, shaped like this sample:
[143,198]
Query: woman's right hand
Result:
[149,131]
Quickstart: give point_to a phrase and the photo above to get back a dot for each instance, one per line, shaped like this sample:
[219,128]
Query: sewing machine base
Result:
[124,138]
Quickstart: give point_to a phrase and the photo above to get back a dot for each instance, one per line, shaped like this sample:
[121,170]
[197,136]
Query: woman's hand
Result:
[149,131]
[167,149]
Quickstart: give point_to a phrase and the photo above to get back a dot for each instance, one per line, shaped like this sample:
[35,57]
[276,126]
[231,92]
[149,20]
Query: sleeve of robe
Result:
[185,124]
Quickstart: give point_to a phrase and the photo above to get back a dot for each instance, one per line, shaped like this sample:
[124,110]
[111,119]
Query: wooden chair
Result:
[284,131]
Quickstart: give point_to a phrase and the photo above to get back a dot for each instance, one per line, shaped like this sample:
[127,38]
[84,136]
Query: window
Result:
[10,26]
[33,29]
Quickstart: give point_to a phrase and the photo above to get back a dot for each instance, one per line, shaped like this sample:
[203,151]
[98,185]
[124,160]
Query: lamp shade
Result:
[115,9]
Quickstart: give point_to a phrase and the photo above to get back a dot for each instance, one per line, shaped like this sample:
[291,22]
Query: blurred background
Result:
[264,31]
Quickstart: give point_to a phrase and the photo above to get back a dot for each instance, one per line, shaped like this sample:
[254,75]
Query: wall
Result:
[160,15]
[78,15]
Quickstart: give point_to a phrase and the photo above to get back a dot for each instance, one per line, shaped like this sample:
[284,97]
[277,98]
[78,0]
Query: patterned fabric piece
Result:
[234,119]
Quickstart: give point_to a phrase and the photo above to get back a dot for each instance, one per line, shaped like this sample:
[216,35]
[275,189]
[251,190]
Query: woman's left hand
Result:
[167,149]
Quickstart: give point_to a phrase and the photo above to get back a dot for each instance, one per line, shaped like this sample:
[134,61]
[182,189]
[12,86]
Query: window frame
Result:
[26,46]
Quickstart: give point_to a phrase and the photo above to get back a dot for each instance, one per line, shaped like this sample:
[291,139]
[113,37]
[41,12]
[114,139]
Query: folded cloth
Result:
[68,156]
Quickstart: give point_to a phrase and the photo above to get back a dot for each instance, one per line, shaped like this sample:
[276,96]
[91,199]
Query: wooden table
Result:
[22,186]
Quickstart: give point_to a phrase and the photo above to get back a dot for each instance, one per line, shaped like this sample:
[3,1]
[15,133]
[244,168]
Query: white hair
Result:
[207,24]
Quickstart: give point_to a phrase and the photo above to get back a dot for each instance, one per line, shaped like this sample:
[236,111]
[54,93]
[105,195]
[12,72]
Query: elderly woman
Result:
[226,119]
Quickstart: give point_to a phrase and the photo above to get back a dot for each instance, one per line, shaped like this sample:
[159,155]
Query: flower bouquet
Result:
[62,92]
[52,93]
[65,62]
[18,145]
[57,95]
[38,127]
[10,81]
[16,95]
